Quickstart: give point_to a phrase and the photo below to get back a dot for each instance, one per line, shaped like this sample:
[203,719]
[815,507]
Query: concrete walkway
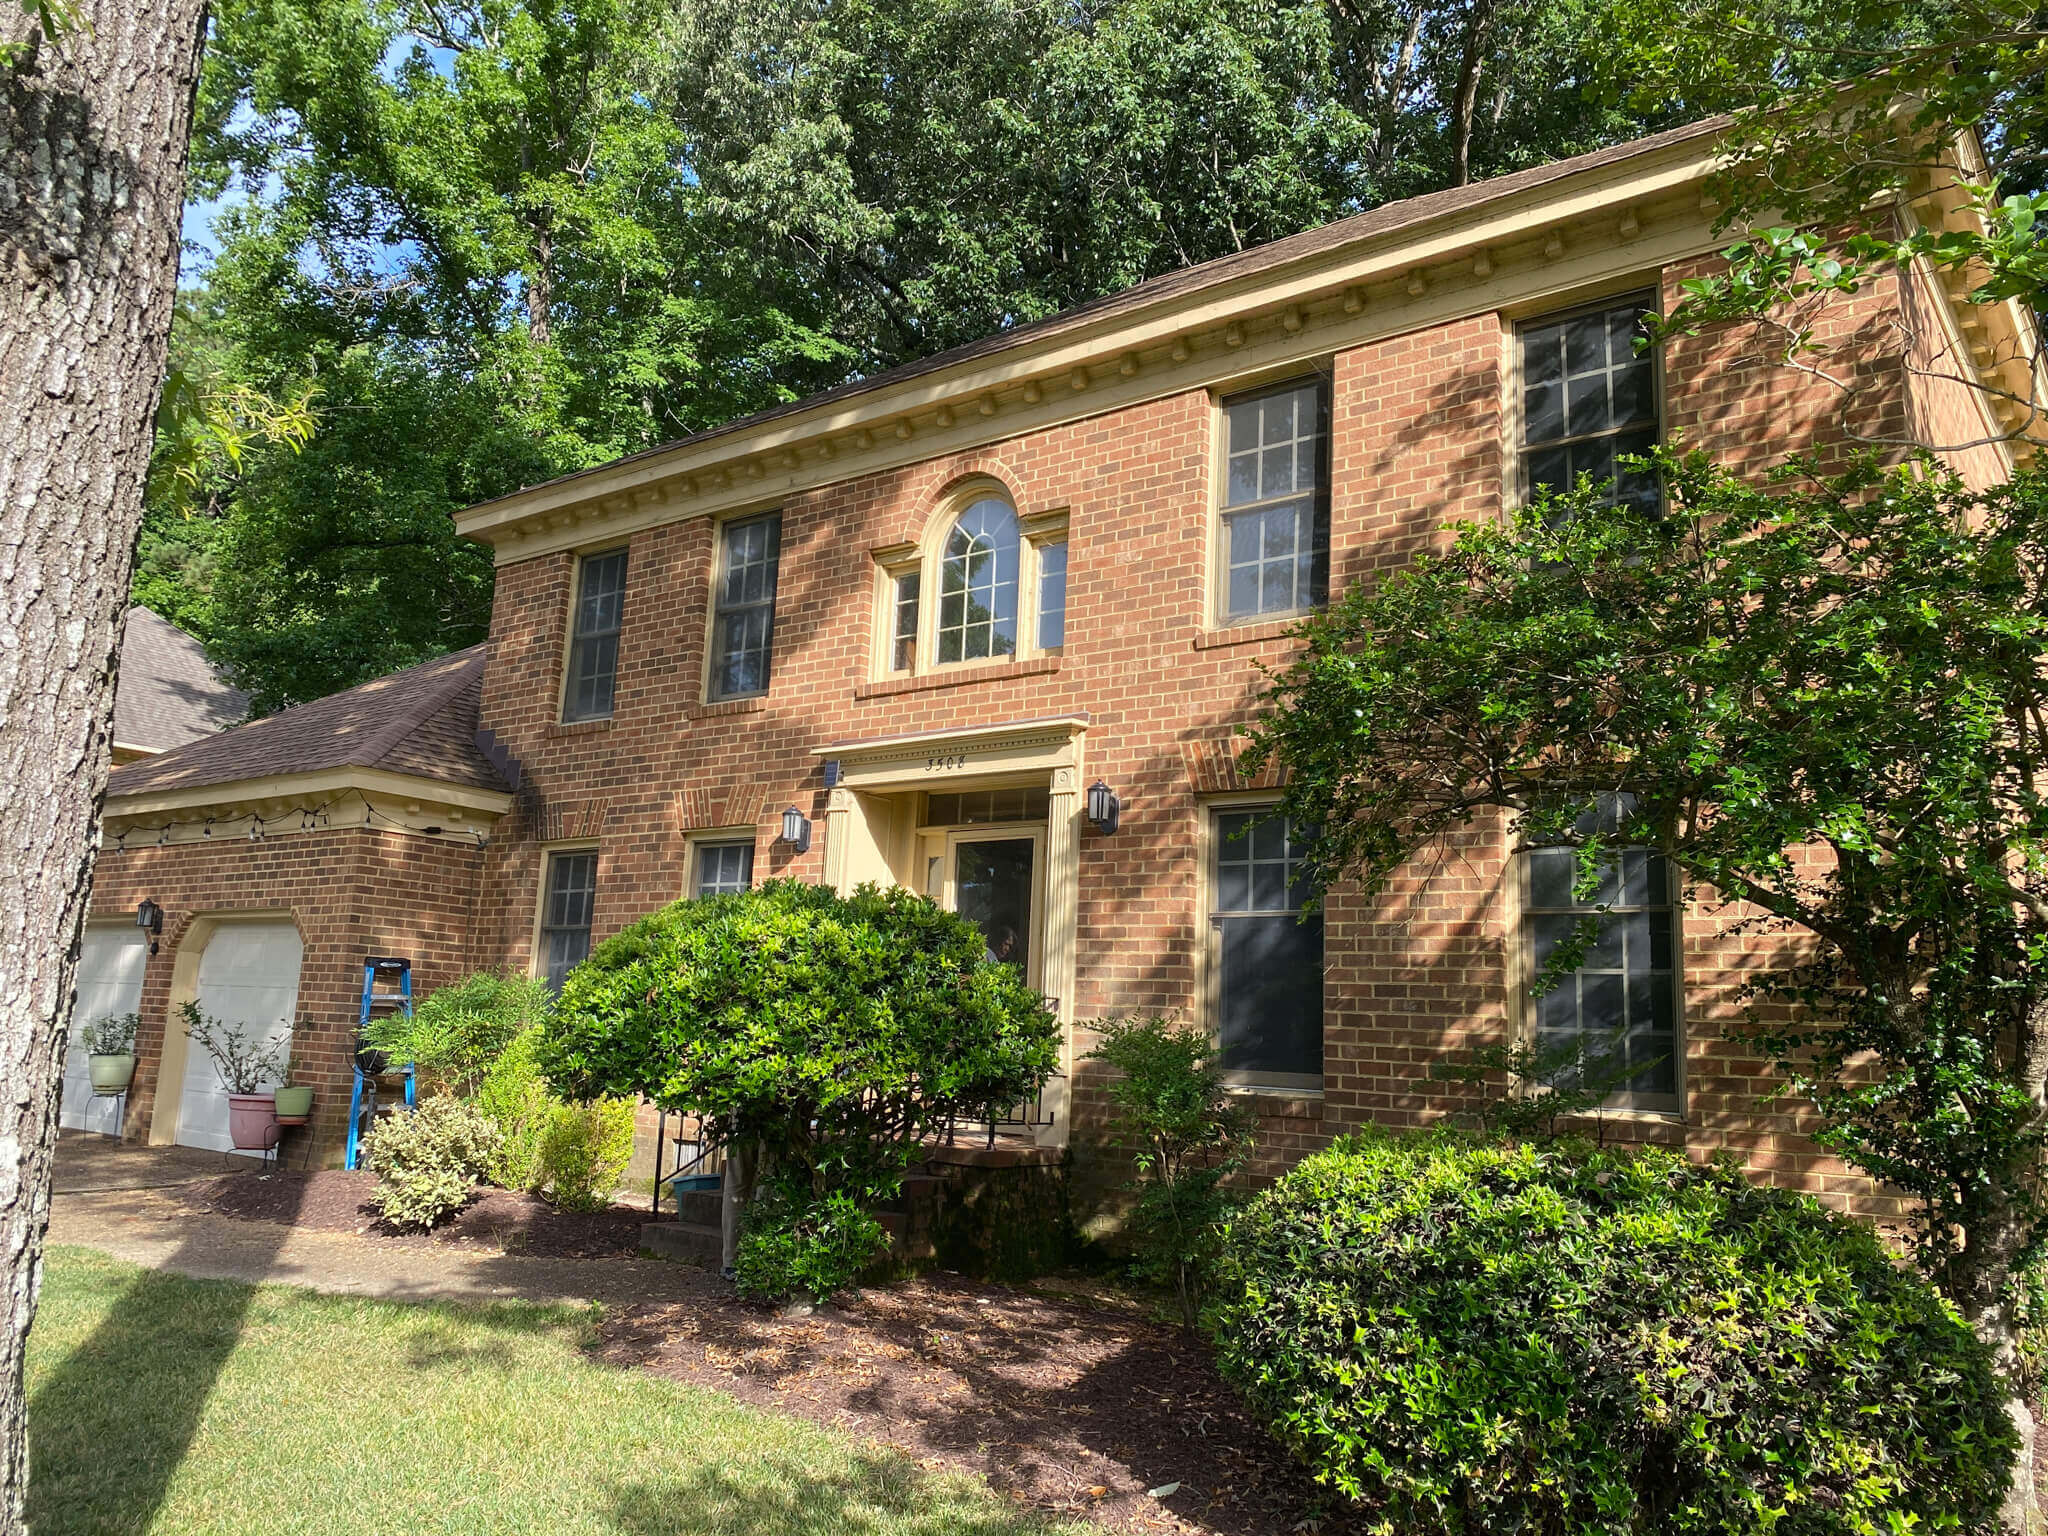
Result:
[112,1197]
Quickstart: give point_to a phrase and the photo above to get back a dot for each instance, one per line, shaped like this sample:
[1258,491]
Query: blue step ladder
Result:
[362,1104]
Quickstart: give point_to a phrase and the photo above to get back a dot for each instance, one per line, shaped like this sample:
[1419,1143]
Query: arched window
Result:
[978,572]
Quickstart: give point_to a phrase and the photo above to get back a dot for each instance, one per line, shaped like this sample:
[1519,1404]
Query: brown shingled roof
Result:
[168,693]
[1374,223]
[421,721]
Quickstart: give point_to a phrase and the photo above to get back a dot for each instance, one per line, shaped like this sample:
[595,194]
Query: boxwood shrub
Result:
[1476,1337]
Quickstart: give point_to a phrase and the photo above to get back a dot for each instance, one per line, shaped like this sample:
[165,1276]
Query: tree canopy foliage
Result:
[498,240]
[1822,697]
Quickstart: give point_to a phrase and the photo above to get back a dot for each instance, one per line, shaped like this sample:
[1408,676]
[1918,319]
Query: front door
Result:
[994,885]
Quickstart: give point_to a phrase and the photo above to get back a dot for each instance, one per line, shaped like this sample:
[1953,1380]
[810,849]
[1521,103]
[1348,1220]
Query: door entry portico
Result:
[987,822]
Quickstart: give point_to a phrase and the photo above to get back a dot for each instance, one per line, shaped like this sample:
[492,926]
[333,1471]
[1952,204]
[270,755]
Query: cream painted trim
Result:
[184,988]
[1565,235]
[1954,344]
[271,788]
[952,758]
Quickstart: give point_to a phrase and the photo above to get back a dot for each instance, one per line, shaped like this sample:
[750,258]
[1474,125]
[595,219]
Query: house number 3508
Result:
[942,764]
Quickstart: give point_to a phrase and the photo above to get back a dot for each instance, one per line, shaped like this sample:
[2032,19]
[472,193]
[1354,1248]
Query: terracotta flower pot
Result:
[252,1121]
[294,1105]
[111,1074]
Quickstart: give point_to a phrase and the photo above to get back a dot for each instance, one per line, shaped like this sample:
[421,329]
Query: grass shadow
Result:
[781,1497]
[127,1401]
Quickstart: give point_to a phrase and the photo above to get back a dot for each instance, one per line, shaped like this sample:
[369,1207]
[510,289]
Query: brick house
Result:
[929,622]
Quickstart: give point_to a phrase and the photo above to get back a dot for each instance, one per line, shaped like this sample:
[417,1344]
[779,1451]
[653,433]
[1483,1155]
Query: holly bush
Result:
[1467,1336]
[833,1033]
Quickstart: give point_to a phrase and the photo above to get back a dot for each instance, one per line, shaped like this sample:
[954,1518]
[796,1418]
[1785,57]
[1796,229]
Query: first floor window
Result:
[1620,1005]
[1268,954]
[723,868]
[565,913]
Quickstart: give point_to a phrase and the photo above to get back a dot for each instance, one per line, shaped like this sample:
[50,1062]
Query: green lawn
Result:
[168,1405]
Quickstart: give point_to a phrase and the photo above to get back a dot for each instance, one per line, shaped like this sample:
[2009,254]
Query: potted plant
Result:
[244,1063]
[110,1050]
[294,1100]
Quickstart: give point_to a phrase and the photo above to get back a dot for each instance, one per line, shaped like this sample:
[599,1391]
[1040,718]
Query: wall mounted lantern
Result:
[149,917]
[1104,809]
[796,830]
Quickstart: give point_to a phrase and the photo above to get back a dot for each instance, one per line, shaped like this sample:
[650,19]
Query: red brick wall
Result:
[1418,422]
[353,892]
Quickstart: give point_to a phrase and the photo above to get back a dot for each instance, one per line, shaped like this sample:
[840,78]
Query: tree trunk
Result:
[1478,32]
[93,133]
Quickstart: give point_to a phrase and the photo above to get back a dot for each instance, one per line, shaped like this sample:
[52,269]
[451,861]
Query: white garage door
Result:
[109,981]
[248,975]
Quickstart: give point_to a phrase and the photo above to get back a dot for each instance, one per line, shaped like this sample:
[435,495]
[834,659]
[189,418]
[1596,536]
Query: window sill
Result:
[956,677]
[1625,1115]
[1248,634]
[564,728]
[1278,1103]
[747,706]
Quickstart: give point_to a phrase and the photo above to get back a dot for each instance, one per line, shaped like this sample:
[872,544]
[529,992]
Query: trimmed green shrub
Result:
[514,1097]
[1472,1337]
[798,1243]
[457,1032]
[833,1033]
[1187,1138]
[584,1149]
[426,1162]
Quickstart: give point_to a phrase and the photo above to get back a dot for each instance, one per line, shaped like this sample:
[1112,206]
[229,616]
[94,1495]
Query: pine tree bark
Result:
[93,129]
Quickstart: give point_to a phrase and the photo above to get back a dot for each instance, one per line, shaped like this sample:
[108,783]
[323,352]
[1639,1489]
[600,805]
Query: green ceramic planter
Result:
[294,1105]
[111,1074]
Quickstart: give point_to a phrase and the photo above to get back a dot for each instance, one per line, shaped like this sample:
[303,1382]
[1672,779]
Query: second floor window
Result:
[978,584]
[1052,596]
[594,637]
[1275,539]
[743,626]
[565,913]
[1588,397]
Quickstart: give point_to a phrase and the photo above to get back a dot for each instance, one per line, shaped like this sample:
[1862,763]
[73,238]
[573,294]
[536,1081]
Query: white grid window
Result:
[1269,958]
[1588,397]
[566,910]
[594,637]
[978,584]
[723,868]
[743,635]
[1621,1003]
[1276,526]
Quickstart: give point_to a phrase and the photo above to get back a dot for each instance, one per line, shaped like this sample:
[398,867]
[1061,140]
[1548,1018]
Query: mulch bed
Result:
[1066,1407]
[1076,1407]
[496,1221]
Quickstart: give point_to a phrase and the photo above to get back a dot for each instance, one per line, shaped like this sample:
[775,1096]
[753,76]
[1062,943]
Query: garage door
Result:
[109,981]
[248,975]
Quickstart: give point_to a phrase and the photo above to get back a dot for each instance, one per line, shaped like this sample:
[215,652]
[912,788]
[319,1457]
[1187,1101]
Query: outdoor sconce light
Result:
[796,830]
[1104,809]
[149,917]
